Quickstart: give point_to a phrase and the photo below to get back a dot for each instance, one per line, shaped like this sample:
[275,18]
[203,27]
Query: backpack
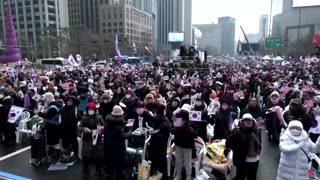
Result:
[83,104]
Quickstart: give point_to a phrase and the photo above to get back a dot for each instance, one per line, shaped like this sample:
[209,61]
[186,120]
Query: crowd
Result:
[100,102]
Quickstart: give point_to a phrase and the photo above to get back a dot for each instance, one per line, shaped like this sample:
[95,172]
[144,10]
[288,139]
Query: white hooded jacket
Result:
[293,163]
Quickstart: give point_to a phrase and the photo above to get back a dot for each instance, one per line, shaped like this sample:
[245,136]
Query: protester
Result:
[114,143]
[158,143]
[222,121]
[70,116]
[51,117]
[92,149]
[184,143]
[245,142]
[295,147]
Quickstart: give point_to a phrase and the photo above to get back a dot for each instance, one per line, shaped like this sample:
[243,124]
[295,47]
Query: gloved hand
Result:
[86,130]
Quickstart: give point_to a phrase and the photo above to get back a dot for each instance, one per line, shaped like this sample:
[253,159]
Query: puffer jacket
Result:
[294,162]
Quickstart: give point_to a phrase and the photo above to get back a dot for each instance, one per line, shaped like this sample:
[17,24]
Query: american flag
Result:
[118,50]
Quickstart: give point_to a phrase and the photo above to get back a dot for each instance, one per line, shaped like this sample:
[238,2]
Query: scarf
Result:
[275,101]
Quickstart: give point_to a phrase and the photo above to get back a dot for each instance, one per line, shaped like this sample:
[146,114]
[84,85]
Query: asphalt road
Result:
[19,165]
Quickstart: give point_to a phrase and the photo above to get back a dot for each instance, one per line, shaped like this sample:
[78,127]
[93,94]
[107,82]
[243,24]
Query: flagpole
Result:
[270,18]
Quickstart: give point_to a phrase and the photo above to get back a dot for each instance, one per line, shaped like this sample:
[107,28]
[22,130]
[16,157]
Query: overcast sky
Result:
[246,12]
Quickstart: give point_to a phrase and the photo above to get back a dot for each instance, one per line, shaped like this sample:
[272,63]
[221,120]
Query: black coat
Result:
[255,112]
[70,116]
[238,141]
[184,136]
[105,109]
[221,121]
[114,142]
[305,118]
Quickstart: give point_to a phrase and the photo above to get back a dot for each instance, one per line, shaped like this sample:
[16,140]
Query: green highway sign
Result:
[273,42]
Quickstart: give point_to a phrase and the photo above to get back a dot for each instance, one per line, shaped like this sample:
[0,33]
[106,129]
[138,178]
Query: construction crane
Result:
[245,36]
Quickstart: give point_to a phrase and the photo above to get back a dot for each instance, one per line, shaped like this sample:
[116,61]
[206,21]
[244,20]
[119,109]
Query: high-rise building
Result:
[276,26]
[296,26]
[84,13]
[263,26]
[122,18]
[150,6]
[228,35]
[32,19]
[174,16]
[210,40]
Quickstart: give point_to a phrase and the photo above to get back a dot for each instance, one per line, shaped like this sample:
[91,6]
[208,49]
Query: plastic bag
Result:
[216,153]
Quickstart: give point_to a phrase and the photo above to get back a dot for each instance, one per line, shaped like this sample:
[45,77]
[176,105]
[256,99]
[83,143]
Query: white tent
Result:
[266,57]
[278,58]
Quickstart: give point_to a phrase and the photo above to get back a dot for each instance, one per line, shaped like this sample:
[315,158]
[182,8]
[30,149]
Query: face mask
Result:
[295,132]
[198,103]
[91,112]
[128,96]
[105,101]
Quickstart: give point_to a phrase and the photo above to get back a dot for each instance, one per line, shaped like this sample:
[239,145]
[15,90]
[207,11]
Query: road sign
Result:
[273,42]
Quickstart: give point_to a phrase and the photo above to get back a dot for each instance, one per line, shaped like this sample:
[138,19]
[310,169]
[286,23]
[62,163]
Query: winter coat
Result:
[293,163]
[88,149]
[70,116]
[221,121]
[105,109]
[114,142]
[184,136]
[255,112]
[305,118]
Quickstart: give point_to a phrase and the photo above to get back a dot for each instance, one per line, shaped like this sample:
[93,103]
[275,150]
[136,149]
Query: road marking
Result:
[14,153]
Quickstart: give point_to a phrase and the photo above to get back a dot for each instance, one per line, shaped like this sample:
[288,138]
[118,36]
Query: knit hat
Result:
[176,99]
[71,85]
[49,98]
[295,124]
[150,96]
[186,107]
[91,105]
[117,111]
[247,116]
[275,93]
[154,93]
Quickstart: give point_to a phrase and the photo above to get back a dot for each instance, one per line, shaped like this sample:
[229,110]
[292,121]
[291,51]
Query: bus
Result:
[53,63]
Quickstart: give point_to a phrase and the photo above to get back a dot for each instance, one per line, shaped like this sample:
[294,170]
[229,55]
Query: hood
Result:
[303,136]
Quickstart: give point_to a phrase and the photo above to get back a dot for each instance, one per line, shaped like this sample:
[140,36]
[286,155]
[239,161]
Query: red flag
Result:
[315,40]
